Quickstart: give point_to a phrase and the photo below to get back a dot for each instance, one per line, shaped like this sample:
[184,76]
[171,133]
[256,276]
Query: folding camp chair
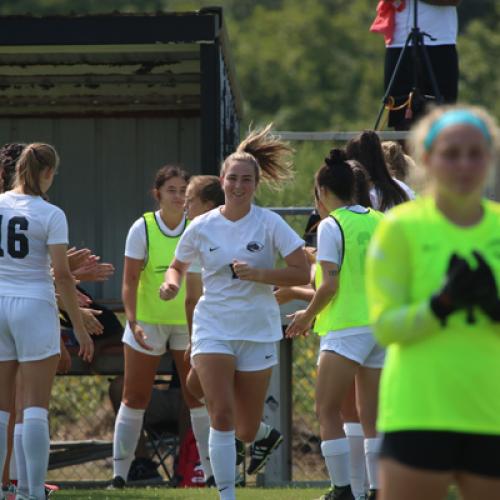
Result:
[161,426]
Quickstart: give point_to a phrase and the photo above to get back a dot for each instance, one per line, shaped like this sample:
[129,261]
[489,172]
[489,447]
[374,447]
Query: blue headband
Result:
[451,118]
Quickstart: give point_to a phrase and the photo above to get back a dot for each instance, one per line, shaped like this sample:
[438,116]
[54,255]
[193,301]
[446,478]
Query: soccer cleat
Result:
[49,489]
[144,470]
[7,492]
[118,483]
[339,493]
[210,482]
[239,480]
[261,450]
[240,451]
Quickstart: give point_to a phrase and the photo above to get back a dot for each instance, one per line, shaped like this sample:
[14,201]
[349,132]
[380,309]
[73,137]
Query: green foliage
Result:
[480,75]
[313,64]
[75,404]
[308,66]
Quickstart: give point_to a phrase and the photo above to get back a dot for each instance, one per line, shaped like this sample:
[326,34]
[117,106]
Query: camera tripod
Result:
[416,39]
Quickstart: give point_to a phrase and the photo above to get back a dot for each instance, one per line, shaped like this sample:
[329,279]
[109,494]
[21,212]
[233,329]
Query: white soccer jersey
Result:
[375,197]
[28,224]
[230,308]
[136,245]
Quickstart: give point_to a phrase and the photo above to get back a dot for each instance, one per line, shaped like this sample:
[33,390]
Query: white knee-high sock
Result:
[372,451]
[200,423]
[13,465]
[36,443]
[22,473]
[4,422]
[355,436]
[263,431]
[336,455]
[223,458]
[128,427]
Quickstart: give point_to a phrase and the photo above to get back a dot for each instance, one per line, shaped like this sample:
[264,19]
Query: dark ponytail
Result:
[337,176]
[367,150]
[9,154]
[362,184]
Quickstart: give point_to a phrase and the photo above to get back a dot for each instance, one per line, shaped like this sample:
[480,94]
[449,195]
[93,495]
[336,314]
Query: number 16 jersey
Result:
[28,224]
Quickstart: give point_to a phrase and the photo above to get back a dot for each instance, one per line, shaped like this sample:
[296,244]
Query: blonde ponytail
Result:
[270,156]
[34,159]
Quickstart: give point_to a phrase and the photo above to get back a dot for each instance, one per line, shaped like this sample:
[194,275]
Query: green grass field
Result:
[196,494]
[191,494]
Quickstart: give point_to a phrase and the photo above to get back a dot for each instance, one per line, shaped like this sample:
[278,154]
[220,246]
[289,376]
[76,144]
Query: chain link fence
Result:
[307,462]
[81,426]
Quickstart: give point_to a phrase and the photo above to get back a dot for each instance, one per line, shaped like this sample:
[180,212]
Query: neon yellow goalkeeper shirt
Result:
[436,377]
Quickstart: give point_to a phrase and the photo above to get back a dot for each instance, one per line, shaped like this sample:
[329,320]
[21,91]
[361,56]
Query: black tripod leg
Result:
[430,72]
[392,80]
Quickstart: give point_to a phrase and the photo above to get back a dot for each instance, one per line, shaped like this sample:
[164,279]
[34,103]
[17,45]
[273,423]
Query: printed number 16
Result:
[17,243]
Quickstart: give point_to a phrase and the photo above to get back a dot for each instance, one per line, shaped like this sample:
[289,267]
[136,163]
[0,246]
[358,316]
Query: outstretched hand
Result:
[300,324]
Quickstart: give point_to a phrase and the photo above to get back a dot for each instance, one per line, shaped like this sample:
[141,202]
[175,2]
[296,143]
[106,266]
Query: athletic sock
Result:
[372,450]
[223,458]
[36,443]
[263,432]
[22,473]
[355,437]
[13,465]
[4,422]
[128,427]
[336,455]
[200,423]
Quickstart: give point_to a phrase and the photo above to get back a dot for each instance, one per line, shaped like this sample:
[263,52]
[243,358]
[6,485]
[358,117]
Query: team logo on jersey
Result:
[255,246]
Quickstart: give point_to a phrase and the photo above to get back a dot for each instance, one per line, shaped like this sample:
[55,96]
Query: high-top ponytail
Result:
[270,156]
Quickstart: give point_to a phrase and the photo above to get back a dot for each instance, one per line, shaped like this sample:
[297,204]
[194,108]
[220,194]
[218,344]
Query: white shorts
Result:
[250,356]
[29,329]
[361,347]
[158,336]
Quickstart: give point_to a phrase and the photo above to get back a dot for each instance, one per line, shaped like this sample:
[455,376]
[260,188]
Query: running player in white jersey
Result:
[204,193]
[237,322]
[152,325]
[33,234]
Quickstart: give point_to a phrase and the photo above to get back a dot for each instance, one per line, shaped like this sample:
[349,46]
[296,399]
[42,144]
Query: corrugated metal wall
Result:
[107,169]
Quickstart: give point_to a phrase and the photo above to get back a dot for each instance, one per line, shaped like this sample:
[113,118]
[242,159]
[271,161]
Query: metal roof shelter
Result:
[119,96]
